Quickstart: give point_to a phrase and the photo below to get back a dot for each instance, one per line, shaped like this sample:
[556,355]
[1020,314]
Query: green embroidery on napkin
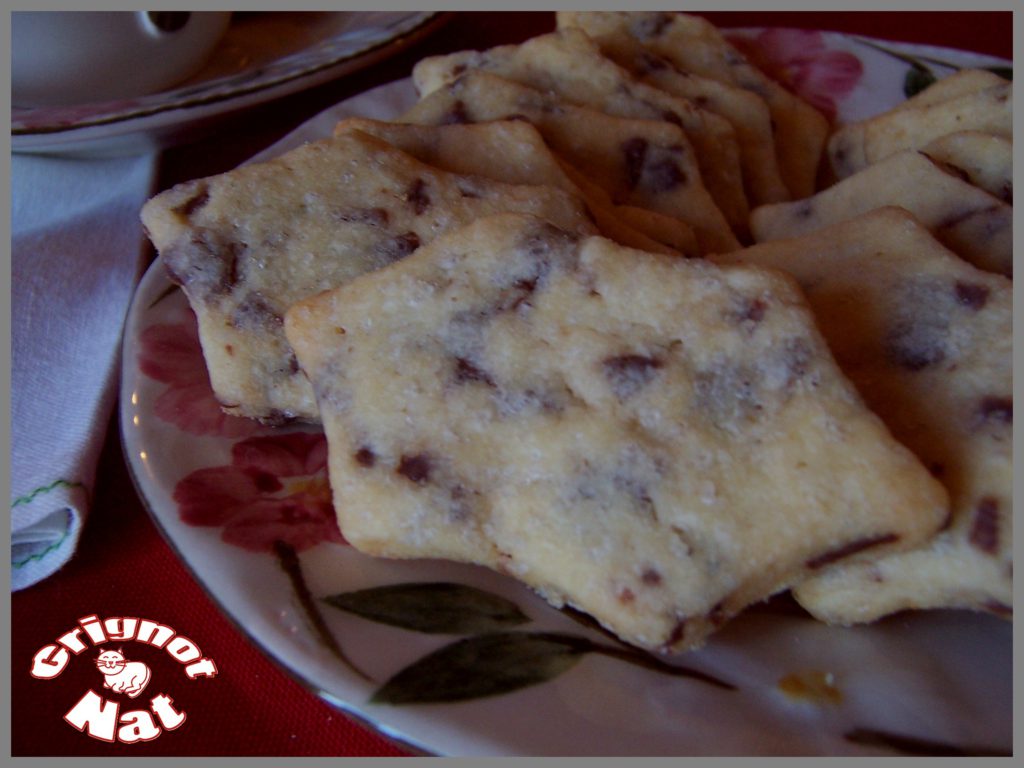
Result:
[27,499]
[45,489]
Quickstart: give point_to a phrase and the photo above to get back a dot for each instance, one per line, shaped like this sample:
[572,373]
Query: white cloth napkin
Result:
[77,248]
[76,255]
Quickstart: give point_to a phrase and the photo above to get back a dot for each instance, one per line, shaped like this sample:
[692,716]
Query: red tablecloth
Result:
[125,568]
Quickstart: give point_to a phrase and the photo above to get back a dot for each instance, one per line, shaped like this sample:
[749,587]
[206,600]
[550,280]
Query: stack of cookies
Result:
[944,155]
[906,260]
[530,320]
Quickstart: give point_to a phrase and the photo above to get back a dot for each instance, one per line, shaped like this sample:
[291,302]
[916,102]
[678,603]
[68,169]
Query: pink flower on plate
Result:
[171,354]
[275,489]
[799,60]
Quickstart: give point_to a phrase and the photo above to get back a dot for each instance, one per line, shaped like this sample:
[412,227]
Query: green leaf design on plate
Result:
[289,561]
[485,665]
[434,608]
[501,662]
[918,78]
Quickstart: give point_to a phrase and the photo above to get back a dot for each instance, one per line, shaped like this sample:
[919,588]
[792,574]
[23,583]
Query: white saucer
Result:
[262,57]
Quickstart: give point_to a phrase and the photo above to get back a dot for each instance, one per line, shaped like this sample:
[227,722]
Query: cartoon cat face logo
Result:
[121,675]
[110,661]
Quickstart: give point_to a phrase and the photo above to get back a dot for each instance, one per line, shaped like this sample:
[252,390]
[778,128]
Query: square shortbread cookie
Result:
[513,152]
[569,65]
[695,46]
[927,339]
[969,221]
[644,163]
[246,244]
[658,442]
[746,111]
[981,159]
[921,120]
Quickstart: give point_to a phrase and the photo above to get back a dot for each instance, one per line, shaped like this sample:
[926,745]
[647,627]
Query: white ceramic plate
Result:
[263,56]
[224,491]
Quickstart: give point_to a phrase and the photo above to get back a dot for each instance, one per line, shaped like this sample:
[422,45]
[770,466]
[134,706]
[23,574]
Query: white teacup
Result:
[77,57]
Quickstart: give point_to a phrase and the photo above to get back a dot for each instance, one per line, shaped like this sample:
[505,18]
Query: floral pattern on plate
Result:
[803,63]
[170,353]
[274,490]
